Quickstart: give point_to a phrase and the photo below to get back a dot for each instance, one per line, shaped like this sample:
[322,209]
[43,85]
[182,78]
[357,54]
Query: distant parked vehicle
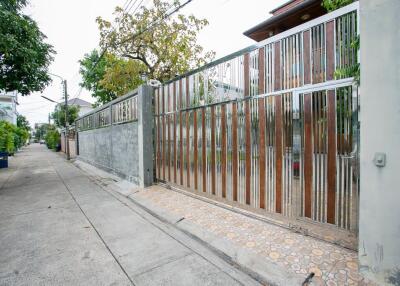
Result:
[42,141]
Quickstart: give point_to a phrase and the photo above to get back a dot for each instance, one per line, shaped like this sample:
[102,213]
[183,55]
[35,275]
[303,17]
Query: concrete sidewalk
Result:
[58,227]
[279,255]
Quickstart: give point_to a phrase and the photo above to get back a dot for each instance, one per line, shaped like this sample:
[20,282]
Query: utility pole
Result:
[65,94]
[66,119]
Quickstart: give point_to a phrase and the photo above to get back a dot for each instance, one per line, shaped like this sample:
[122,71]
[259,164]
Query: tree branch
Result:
[142,59]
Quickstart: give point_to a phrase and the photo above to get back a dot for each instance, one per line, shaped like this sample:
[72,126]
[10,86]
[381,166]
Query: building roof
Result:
[78,101]
[285,6]
[285,17]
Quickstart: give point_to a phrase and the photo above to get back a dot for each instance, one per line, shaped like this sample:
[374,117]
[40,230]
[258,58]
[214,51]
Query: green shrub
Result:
[6,137]
[12,137]
[52,139]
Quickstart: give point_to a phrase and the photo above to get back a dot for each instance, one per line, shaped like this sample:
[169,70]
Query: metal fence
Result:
[122,111]
[270,126]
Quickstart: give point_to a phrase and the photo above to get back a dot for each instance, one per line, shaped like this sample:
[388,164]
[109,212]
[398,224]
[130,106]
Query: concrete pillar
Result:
[379,233]
[145,135]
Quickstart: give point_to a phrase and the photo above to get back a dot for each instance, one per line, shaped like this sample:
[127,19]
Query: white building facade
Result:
[8,106]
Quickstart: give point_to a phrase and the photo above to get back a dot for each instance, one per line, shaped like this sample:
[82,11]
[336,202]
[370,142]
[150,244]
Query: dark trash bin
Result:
[3,160]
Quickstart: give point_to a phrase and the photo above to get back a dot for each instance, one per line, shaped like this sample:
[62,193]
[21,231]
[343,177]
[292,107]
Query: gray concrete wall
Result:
[112,148]
[124,149]
[379,232]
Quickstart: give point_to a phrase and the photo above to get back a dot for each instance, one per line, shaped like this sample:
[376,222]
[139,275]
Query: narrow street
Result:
[57,227]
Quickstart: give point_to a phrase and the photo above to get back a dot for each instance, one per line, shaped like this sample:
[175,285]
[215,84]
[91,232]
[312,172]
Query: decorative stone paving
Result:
[332,265]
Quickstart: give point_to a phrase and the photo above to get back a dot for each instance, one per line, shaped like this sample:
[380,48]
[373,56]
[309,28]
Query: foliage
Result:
[92,70]
[24,54]
[111,77]
[23,123]
[166,46]
[49,133]
[59,115]
[52,138]
[353,70]
[12,137]
[331,5]
[122,75]
[13,5]
[6,137]
[41,130]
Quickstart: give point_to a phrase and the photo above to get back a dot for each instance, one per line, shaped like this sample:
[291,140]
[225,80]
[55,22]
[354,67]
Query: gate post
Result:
[145,135]
[379,228]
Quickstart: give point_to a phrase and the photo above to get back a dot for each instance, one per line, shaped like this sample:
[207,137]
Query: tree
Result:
[13,5]
[59,115]
[40,131]
[23,123]
[110,77]
[166,46]
[331,5]
[24,54]
[92,69]
[121,75]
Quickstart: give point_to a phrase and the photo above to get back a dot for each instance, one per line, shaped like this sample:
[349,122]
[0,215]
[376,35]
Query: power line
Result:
[137,7]
[126,1]
[150,26]
[125,7]
[130,8]
[124,11]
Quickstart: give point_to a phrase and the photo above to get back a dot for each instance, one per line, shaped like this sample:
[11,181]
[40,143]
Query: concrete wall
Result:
[71,144]
[379,233]
[112,148]
[124,149]
[72,148]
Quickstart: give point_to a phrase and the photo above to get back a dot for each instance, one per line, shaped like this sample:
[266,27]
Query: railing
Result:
[239,128]
[306,54]
[121,110]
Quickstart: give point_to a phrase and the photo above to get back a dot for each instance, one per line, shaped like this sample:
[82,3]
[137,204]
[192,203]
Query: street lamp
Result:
[65,93]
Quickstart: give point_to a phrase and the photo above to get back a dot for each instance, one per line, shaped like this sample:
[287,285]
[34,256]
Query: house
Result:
[84,106]
[291,14]
[8,106]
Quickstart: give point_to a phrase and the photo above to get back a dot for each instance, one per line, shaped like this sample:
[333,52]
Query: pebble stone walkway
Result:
[332,265]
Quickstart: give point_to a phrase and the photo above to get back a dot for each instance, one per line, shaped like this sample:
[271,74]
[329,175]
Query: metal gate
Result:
[294,153]
[270,127]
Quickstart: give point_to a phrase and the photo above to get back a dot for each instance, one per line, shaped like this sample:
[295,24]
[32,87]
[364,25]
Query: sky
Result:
[71,28]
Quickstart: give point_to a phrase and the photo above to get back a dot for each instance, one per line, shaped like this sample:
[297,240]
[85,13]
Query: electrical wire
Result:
[150,26]
[125,7]
[137,7]
[126,1]
[130,8]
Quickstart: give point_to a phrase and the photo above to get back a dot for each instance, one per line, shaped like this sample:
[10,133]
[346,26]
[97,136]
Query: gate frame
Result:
[326,86]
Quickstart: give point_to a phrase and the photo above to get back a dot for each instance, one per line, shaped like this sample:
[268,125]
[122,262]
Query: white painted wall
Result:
[8,107]
[84,109]
[379,236]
